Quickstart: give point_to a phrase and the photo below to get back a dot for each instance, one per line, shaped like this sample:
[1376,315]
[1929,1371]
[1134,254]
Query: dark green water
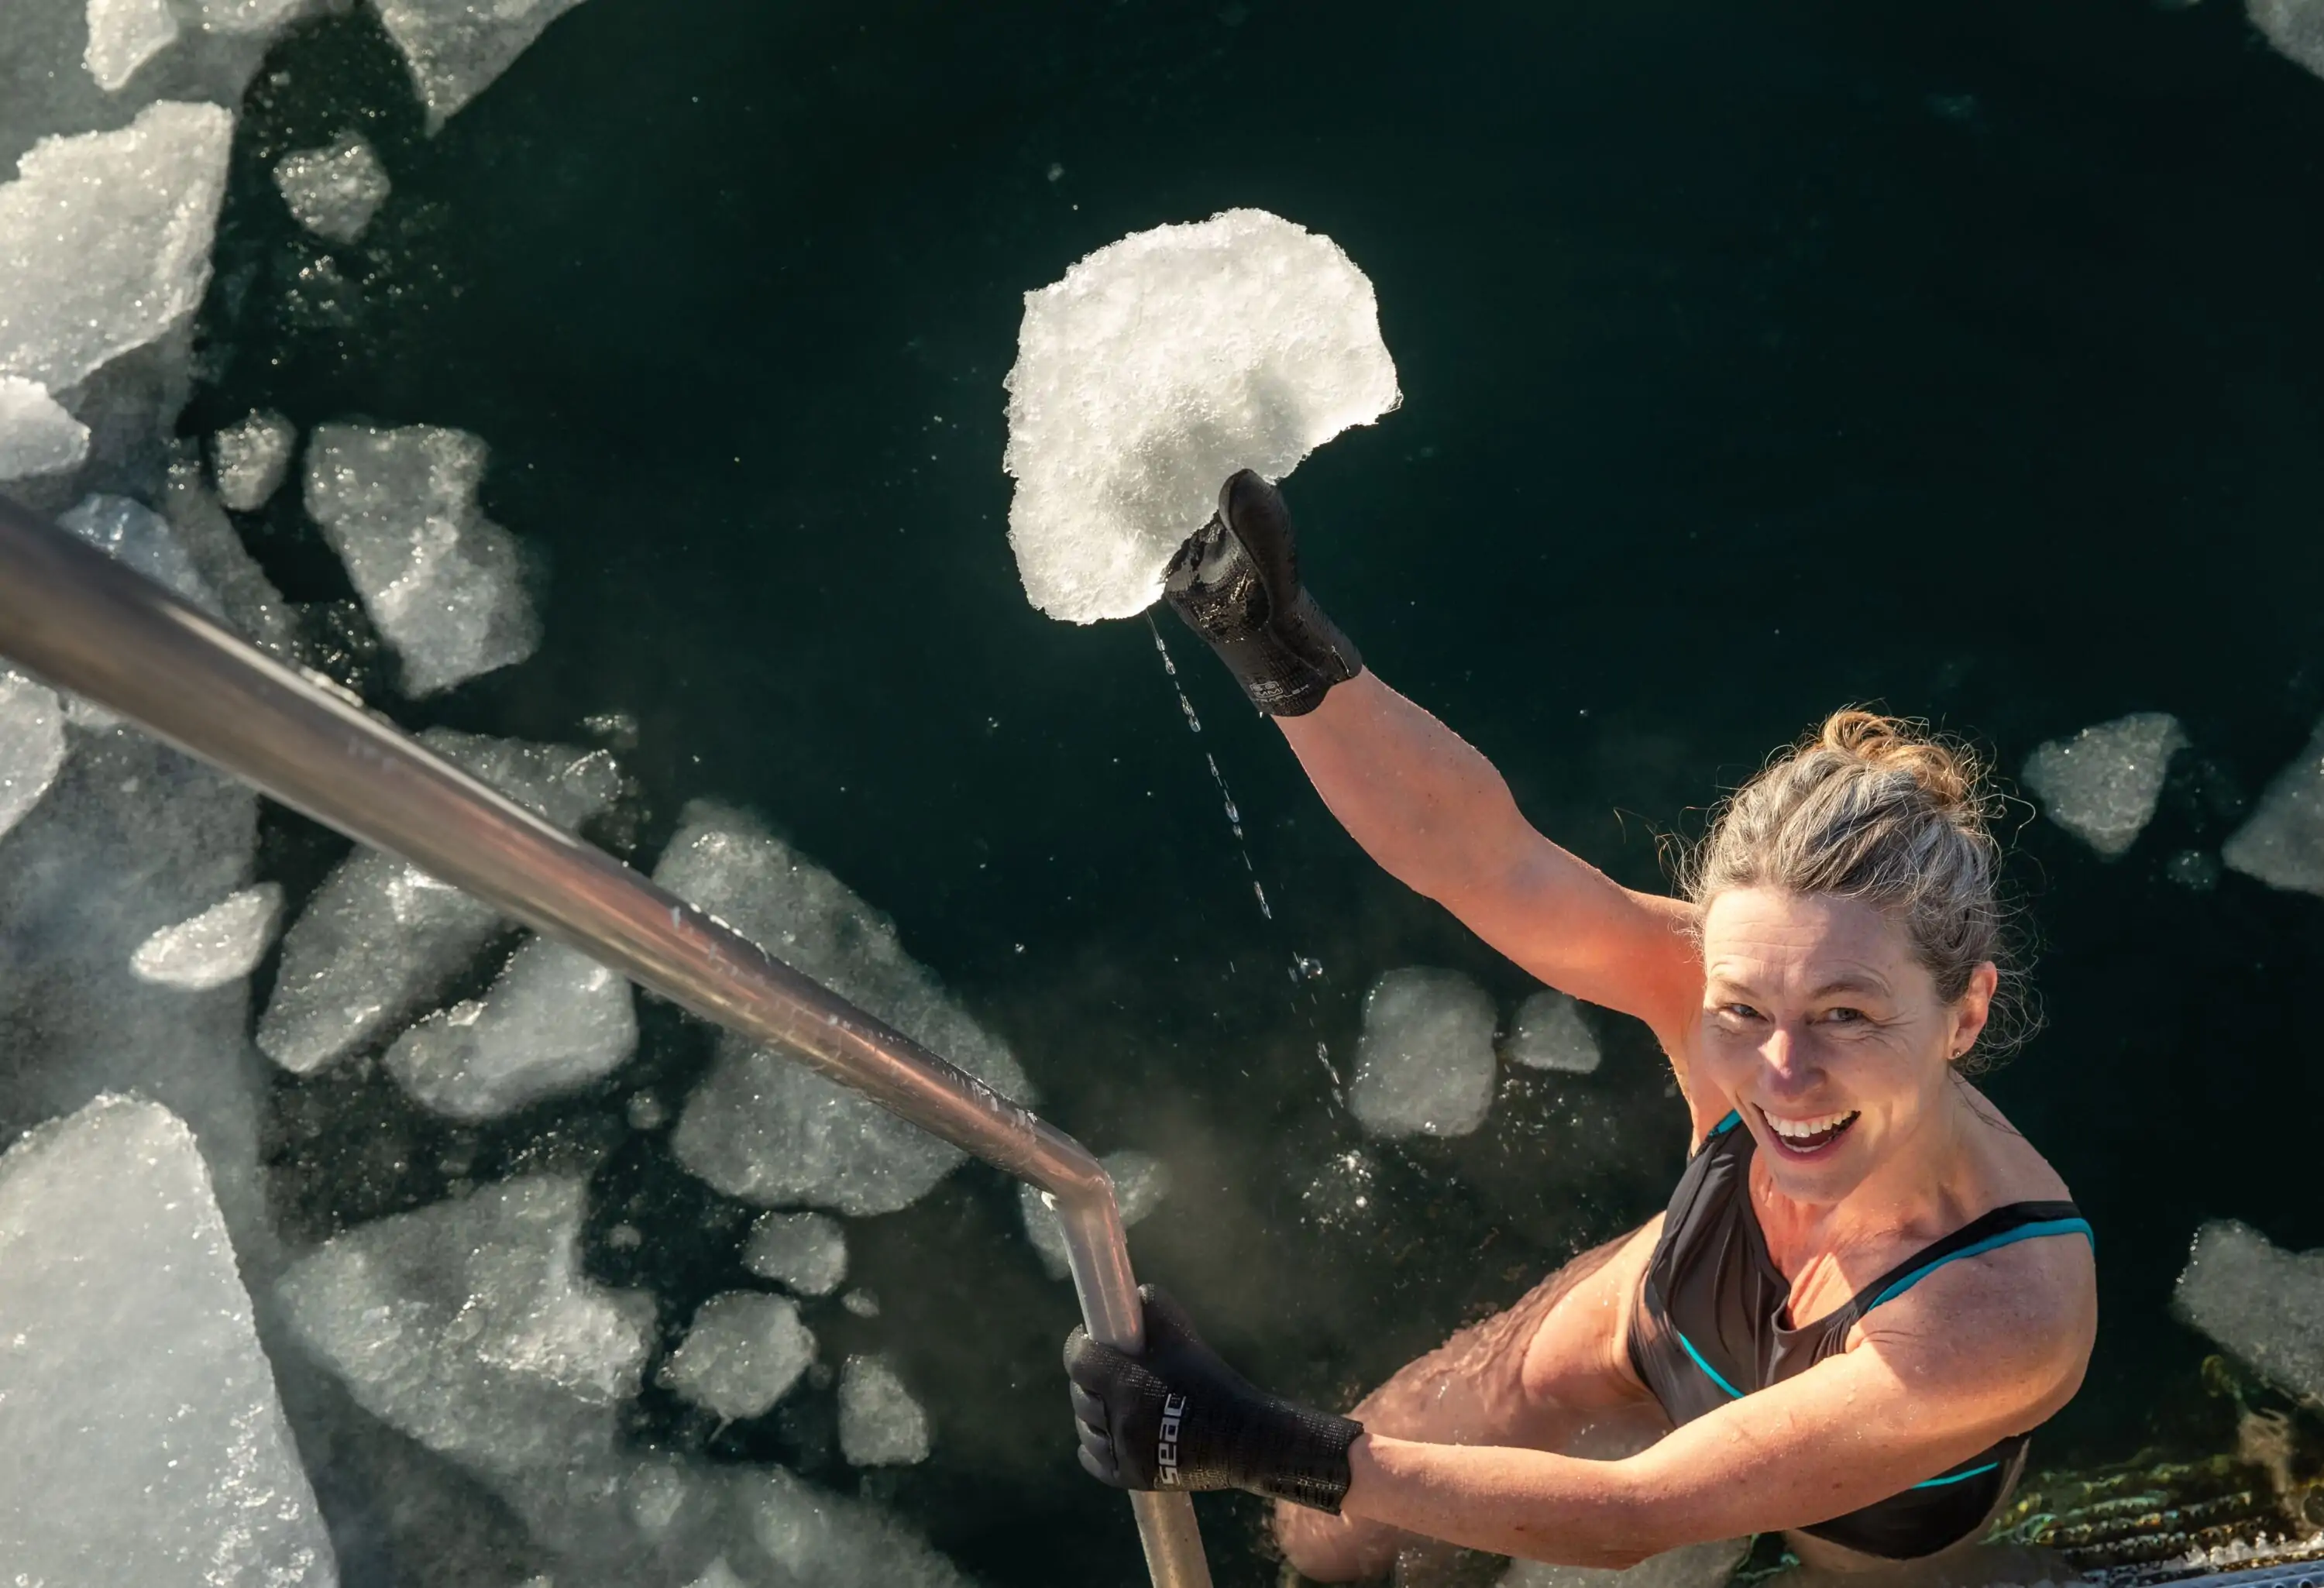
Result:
[1964,357]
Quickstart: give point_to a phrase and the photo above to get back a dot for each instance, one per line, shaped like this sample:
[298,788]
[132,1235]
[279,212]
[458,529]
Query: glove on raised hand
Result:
[1175,1416]
[1236,582]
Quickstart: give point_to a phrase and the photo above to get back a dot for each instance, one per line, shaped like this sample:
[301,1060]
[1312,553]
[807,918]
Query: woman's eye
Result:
[1844,1016]
[1740,1012]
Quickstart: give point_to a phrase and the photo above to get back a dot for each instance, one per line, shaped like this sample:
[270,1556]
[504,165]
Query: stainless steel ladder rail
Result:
[86,624]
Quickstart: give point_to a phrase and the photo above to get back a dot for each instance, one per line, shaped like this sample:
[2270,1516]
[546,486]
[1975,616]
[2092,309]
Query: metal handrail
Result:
[86,624]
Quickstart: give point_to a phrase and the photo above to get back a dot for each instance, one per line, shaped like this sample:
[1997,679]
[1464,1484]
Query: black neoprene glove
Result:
[1175,1416]
[1236,582]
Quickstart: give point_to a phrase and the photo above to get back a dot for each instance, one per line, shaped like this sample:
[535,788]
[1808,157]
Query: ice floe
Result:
[141,1437]
[2102,784]
[456,48]
[31,744]
[762,1126]
[2295,27]
[249,458]
[441,580]
[805,1251]
[223,944]
[743,1350]
[1550,1034]
[879,1423]
[2283,842]
[555,1022]
[1425,1063]
[816,1538]
[334,191]
[1157,367]
[37,435]
[250,601]
[123,35]
[1140,1182]
[2263,1303]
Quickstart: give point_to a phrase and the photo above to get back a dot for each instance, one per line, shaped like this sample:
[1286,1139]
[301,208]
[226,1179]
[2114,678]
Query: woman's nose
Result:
[1782,1053]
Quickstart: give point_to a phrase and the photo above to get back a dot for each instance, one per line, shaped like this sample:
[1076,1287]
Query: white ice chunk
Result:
[743,1350]
[31,744]
[381,940]
[718,1575]
[37,435]
[1696,1565]
[223,944]
[439,578]
[1425,1064]
[2295,27]
[1140,1182]
[1549,1034]
[141,1439]
[334,191]
[1159,365]
[246,16]
[123,35]
[134,534]
[105,239]
[215,549]
[470,1326]
[250,456]
[2263,1303]
[816,1539]
[456,48]
[2102,784]
[554,1022]
[879,1423]
[2283,842]
[808,1251]
[762,1126]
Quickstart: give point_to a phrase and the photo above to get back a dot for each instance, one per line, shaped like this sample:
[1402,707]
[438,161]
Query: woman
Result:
[1868,1287]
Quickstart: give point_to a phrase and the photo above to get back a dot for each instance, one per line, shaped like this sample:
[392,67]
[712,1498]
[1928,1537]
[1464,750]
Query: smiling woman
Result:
[1851,1315]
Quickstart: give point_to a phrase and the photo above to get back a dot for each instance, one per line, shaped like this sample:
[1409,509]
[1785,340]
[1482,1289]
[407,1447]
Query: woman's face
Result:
[1827,1033]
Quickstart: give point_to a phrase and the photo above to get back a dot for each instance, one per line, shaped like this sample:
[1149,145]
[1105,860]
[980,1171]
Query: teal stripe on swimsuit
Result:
[1957,1477]
[1733,1393]
[2022,1232]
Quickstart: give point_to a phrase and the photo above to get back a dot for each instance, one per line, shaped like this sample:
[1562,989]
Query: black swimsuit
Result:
[1710,1326]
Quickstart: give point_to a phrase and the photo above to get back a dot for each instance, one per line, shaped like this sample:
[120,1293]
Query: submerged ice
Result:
[1140,1182]
[2102,784]
[805,1251]
[554,1022]
[879,1423]
[456,48]
[2283,842]
[2261,1302]
[31,744]
[1549,1034]
[37,435]
[742,1353]
[1157,367]
[1425,1063]
[816,1538]
[2295,27]
[334,191]
[223,944]
[250,456]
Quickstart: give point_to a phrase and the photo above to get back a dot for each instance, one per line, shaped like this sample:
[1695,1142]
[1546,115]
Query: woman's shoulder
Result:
[2008,1167]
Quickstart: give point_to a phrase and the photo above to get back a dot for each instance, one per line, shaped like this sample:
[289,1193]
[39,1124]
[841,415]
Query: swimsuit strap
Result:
[2004,1226]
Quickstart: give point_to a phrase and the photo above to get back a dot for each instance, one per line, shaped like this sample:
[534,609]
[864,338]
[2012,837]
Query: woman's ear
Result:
[1974,1008]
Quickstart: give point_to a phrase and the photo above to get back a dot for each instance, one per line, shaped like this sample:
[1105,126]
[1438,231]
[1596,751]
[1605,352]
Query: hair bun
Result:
[1949,772]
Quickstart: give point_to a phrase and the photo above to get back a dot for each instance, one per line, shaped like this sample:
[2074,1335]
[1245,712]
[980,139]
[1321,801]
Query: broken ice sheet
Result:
[141,1438]
[742,1352]
[223,944]
[31,744]
[37,435]
[457,48]
[806,1251]
[249,458]
[1425,1063]
[1140,1182]
[1157,367]
[554,1022]
[2102,784]
[334,191]
[2261,1302]
[818,1537]
[2295,27]
[879,1423]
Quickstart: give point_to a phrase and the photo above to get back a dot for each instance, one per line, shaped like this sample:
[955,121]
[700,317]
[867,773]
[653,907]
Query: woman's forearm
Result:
[1528,1503]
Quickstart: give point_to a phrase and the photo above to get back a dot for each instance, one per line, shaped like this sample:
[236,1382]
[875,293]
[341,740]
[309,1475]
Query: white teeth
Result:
[1801,1129]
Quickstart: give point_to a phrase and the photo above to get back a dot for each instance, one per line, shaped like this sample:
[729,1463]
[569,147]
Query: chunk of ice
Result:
[247,17]
[1696,1565]
[439,579]
[1549,1034]
[223,944]
[132,532]
[816,1539]
[31,744]
[381,940]
[470,1326]
[1425,1064]
[554,1022]
[806,1251]
[37,435]
[123,35]
[334,191]
[2295,27]
[765,1128]
[743,1352]
[2259,1302]
[2102,784]
[105,239]
[879,1423]
[250,456]
[215,549]
[2283,842]
[1159,365]
[141,1439]
[1140,1182]
[456,48]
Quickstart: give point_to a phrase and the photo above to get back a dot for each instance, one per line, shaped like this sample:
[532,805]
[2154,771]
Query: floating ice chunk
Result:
[1140,1182]
[805,1251]
[456,48]
[1697,1565]
[1159,365]
[31,744]
[1549,1034]
[554,1022]
[2283,842]
[470,1326]
[380,940]
[1425,1064]
[2295,27]
[2261,1302]
[743,1350]
[246,16]
[816,1539]
[718,1575]
[439,578]
[141,1440]
[132,532]
[37,435]
[105,239]
[215,549]
[762,1126]
[334,191]
[250,456]
[123,35]
[2102,784]
[223,944]
[879,1423]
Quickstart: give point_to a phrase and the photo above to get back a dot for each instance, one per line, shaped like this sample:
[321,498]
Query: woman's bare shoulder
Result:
[2011,1166]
